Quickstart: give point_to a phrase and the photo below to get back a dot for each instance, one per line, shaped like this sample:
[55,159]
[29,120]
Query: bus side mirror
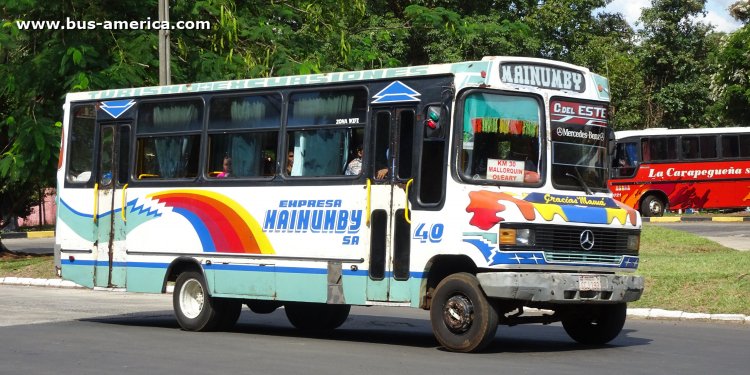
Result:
[612,142]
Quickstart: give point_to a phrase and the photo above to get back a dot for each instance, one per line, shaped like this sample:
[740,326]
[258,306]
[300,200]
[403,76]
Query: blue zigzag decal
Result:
[140,209]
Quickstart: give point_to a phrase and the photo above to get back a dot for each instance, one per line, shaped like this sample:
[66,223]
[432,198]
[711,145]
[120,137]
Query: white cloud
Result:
[717,15]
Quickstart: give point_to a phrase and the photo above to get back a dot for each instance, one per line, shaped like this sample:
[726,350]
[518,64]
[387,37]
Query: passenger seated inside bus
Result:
[354,167]
[227,168]
[289,162]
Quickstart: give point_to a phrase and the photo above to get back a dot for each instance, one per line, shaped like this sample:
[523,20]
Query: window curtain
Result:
[244,149]
[172,153]
[319,153]
[323,110]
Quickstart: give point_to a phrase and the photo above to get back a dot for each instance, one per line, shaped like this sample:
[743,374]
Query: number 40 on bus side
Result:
[434,234]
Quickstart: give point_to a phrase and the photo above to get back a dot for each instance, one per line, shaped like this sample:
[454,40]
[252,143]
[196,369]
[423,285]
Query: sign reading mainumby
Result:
[542,76]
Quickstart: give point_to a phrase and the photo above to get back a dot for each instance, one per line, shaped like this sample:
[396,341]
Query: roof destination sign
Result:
[542,76]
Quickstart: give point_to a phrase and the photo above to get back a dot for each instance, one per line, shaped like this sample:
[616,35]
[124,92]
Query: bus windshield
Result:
[579,145]
[501,139]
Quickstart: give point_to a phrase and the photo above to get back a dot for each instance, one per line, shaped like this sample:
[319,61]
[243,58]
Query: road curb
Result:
[643,313]
[35,234]
[684,219]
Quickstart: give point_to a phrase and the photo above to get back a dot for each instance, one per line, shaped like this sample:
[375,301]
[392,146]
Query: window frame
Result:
[205,169]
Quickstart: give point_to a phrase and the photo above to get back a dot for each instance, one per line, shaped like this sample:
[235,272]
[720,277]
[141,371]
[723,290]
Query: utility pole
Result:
[164,70]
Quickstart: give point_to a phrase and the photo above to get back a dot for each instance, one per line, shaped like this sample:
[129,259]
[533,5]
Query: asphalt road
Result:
[66,331]
[30,245]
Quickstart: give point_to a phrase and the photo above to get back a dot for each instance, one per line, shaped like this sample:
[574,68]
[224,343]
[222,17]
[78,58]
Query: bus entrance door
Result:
[390,168]
[110,189]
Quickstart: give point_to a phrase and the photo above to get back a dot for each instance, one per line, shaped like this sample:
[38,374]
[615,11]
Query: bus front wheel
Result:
[595,325]
[463,320]
[652,206]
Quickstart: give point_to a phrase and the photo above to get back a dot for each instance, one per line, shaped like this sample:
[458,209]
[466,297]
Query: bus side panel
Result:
[75,233]
[146,277]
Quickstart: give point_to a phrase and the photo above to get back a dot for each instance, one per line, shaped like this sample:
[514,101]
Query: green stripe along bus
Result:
[472,190]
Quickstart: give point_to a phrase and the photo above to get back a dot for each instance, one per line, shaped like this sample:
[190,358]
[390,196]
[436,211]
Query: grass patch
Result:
[690,273]
[683,272]
[35,266]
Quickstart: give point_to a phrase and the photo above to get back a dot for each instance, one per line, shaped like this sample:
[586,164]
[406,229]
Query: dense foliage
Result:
[671,72]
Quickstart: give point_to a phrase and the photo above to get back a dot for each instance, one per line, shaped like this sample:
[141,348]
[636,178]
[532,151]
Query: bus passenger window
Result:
[730,146]
[168,139]
[242,133]
[708,146]
[246,151]
[324,127]
[690,148]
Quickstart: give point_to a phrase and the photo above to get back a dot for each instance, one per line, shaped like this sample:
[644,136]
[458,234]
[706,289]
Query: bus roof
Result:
[471,69]
[653,132]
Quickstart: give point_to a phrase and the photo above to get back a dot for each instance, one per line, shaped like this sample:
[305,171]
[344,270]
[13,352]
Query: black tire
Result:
[316,316]
[652,205]
[463,320]
[259,306]
[229,311]
[193,306]
[595,325]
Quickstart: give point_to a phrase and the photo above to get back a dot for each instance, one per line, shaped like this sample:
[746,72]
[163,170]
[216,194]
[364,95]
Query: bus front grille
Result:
[567,239]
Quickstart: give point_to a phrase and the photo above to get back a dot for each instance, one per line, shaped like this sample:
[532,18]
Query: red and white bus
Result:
[670,169]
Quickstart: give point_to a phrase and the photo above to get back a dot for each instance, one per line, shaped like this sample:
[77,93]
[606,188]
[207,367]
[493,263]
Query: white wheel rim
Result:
[192,298]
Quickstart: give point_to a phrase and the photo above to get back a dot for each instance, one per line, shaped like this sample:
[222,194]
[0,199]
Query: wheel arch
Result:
[178,266]
[438,268]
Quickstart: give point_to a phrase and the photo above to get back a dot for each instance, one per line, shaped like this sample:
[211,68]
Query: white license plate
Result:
[589,283]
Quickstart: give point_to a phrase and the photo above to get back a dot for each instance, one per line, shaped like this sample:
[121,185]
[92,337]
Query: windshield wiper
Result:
[578,178]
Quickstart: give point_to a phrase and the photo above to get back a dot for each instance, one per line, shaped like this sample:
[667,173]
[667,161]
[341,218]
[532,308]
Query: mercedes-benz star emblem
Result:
[587,239]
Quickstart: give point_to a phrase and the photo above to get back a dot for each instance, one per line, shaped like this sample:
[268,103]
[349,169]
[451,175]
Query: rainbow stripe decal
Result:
[222,224]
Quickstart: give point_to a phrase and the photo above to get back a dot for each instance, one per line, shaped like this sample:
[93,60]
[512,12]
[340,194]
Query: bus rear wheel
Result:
[595,325]
[196,310]
[652,206]
[463,320]
[316,316]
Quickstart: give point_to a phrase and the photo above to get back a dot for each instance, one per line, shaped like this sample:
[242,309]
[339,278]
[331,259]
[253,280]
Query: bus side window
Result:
[322,127]
[168,138]
[243,135]
[81,144]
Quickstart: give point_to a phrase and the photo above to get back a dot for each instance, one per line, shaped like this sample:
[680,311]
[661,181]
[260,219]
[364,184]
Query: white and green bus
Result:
[472,190]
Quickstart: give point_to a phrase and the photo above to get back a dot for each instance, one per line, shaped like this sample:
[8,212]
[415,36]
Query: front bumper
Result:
[561,287]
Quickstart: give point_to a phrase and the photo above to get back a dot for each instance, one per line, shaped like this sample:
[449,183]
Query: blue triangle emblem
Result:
[116,108]
[396,92]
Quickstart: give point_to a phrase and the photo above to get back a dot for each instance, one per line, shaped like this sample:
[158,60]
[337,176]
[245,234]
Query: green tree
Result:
[731,82]
[673,55]
[40,66]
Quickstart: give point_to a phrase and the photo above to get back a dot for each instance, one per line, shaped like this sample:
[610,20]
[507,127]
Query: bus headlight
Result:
[516,237]
[634,242]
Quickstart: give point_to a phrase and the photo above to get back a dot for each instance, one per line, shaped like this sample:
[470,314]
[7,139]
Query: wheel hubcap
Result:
[458,314]
[192,298]
[655,207]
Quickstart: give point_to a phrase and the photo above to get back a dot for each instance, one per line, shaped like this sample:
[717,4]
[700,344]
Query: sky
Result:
[717,15]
